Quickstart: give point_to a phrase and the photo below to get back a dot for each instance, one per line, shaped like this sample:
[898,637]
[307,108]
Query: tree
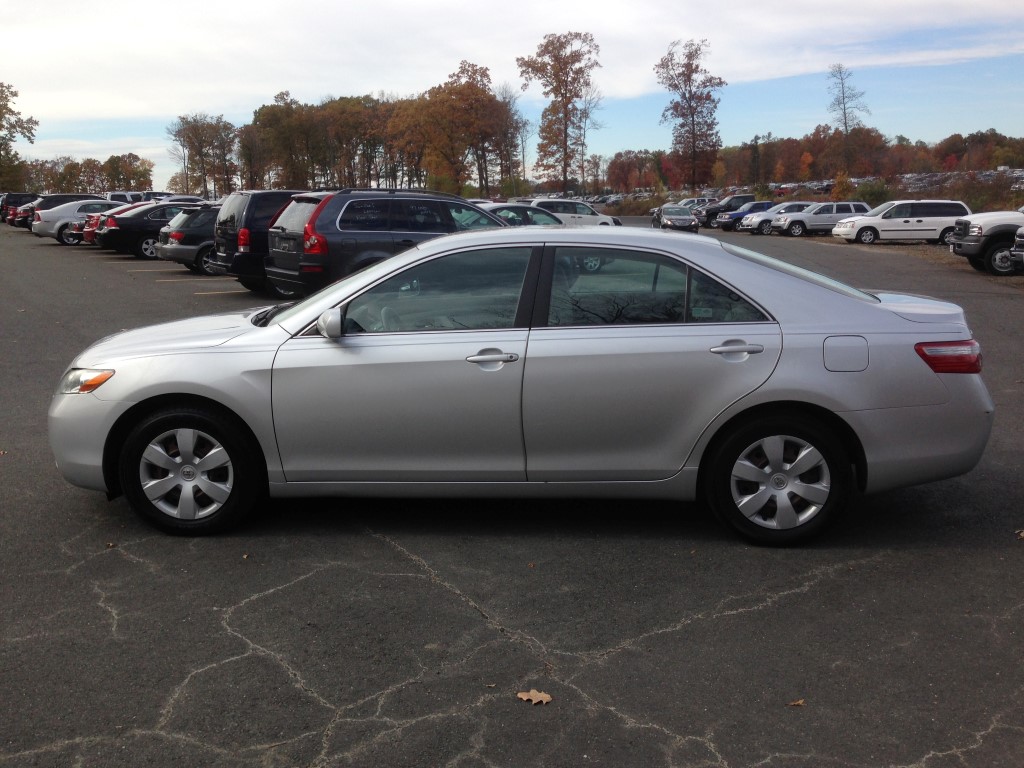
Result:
[563,66]
[13,125]
[692,108]
[846,103]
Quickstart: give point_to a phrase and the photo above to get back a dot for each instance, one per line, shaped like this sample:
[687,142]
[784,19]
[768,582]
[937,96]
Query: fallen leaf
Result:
[535,696]
[111,545]
[1020,533]
[797,703]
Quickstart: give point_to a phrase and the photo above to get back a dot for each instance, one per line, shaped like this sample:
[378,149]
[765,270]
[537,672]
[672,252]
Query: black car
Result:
[11,201]
[709,213]
[137,231]
[188,238]
[324,236]
[240,236]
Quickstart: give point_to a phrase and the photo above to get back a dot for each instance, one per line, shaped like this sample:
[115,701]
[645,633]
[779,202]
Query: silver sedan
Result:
[58,222]
[490,364]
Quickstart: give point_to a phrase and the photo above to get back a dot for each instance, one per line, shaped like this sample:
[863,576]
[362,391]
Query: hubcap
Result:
[780,482]
[186,474]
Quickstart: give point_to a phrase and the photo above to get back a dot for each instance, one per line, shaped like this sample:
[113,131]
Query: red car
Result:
[92,221]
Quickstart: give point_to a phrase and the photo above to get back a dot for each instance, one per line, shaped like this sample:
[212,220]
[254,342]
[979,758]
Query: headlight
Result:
[79,381]
[844,225]
[975,229]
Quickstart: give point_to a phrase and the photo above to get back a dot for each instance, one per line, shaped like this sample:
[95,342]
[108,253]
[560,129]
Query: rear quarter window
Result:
[232,210]
[295,215]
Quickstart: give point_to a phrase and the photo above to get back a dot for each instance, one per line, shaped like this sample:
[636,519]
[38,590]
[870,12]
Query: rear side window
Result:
[943,209]
[365,216]
[418,216]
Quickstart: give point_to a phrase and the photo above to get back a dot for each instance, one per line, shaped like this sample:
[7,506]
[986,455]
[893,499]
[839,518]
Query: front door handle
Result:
[493,357]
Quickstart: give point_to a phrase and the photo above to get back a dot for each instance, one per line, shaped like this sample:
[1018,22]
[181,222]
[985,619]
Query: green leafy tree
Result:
[13,173]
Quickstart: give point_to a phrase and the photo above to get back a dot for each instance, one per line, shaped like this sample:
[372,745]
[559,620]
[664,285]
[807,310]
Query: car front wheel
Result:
[796,229]
[998,262]
[778,480]
[765,228]
[867,236]
[190,471]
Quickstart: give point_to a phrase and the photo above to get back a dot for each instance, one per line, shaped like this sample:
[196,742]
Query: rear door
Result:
[628,365]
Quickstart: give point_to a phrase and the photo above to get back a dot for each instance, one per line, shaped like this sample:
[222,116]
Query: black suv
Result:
[240,236]
[324,236]
[710,212]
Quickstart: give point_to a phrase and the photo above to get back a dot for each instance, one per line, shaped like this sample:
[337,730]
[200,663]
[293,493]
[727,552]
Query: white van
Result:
[930,220]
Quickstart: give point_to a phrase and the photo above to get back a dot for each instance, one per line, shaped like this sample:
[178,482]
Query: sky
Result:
[108,81]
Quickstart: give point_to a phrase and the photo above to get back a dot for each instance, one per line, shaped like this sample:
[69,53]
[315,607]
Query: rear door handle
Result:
[725,349]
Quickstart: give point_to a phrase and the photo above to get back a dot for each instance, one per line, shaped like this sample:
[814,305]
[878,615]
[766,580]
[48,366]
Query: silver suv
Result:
[817,218]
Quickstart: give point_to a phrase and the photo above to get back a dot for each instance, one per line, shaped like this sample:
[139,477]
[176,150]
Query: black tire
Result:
[867,236]
[145,247]
[945,235]
[203,260]
[65,236]
[977,263]
[190,498]
[280,293]
[254,284]
[796,229]
[765,227]
[778,480]
[997,260]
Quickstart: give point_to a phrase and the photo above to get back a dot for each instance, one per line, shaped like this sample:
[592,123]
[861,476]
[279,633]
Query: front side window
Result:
[636,288]
[465,291]
[901,211]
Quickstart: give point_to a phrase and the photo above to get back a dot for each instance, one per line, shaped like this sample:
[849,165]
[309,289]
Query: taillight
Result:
[951,356]
[110,223]
[37,217]
[312,242]
[243,240]
[176,236]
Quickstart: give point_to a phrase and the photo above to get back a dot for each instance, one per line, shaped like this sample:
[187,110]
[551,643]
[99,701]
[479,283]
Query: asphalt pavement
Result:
[411,633]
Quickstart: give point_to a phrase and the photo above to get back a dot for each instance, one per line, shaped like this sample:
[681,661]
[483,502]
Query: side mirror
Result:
[329,324]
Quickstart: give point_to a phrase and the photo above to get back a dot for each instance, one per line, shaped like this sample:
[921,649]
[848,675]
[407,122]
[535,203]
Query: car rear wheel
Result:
[945,235]
[65,236]
[765,227]
[796,229]
[190,471]
[997,260]
[145,247]
[778,480]
[867,236]
[204,259]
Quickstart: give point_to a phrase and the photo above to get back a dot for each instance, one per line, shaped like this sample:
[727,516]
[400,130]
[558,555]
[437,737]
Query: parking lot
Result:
[369,633]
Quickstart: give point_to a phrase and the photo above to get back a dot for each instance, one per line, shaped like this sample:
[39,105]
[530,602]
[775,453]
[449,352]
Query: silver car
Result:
[57,222]
[489,363]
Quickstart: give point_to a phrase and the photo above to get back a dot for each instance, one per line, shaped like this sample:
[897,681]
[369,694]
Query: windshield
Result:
[675,210]
[880,209]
